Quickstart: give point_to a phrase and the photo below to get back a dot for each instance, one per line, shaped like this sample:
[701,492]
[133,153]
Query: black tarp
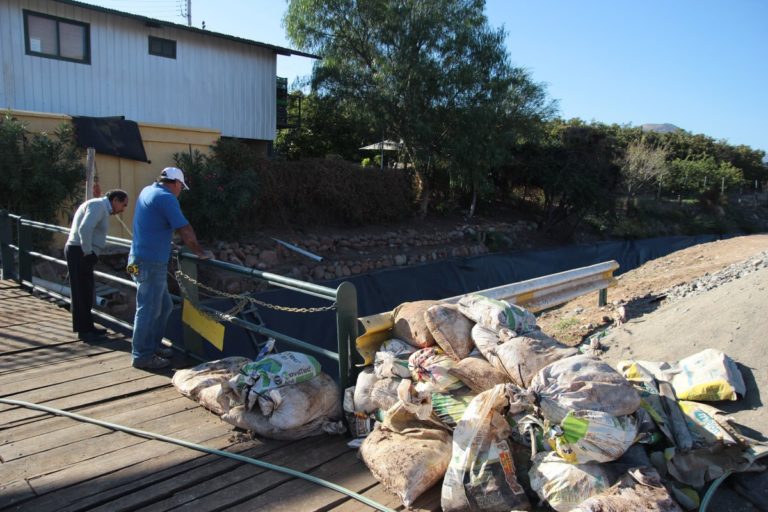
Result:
[110,136]
[383,290]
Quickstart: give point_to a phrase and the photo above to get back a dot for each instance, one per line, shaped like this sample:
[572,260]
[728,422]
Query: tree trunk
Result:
[473,205]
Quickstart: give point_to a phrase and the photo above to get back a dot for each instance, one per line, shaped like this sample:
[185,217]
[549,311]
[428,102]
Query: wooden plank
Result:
[78,384]
[100,441]
[43,357]
[247,480]
[158,478]
[15,492]
[16,416]
[23,381]
[427,502]
[16,338]
[297,495]
[21,310]
[129,452]
[100,411]
[82,430]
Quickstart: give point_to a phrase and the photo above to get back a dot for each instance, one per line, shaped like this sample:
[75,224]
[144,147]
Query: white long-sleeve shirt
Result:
[90,225]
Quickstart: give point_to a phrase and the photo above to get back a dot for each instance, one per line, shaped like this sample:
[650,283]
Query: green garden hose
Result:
[193,446]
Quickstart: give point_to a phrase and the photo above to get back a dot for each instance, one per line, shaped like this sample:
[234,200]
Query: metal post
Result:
[6,253]
[25,247]
[193,342]
[346,329]
[602,298]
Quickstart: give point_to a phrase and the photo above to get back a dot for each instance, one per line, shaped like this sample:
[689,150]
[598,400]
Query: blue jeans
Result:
[153,307]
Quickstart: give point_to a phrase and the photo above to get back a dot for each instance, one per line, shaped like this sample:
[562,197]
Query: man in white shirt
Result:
[87,239]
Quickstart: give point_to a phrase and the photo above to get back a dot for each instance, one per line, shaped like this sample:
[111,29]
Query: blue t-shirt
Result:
[157,216]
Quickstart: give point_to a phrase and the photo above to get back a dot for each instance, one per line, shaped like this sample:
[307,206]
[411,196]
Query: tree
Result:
[426,72]
[573,168]
[41,173]
[642,165]
[702,176]
[329,126]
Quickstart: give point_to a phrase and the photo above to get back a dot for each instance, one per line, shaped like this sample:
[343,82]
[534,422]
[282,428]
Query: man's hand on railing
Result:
[206,255]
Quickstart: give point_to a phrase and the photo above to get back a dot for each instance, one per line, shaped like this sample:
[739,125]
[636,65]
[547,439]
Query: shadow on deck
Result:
[53,463]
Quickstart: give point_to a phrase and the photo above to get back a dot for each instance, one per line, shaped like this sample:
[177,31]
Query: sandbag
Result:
[481,474]
[410,324]
[407,463]
[372,393]
[363,389]
[386,365]
[430,370]
[191,381]
[521,357]
[709,375]
[573,384]
[497,314]
[478,374]
[290,407]
[703,424]
[271,372]
[218,399]
[450,406]
[293,411]
[563,485]
[639,489]
[451,330]
[256,422]
[592,436]
[486,341]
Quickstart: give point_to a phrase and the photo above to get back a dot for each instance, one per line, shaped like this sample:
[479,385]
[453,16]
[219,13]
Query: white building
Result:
[66,57]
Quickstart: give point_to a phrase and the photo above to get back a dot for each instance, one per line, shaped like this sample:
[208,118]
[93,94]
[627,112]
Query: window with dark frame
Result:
[162,47]
[57,38]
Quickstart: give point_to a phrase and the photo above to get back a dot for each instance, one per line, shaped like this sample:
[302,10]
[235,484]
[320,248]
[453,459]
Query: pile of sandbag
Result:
[475,398]
[282,396]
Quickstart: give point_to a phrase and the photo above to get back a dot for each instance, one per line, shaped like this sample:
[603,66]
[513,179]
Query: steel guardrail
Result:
[535,295]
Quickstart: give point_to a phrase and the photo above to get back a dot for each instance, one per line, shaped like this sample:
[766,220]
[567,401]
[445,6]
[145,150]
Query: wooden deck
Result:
[54,463]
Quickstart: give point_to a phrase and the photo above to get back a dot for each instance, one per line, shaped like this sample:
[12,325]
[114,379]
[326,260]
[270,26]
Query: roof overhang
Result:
[152,22]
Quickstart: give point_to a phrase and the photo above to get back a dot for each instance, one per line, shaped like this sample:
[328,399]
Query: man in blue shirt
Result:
[158,215]
[87,239]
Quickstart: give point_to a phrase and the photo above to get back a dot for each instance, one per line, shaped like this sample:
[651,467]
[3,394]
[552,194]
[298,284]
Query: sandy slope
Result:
[732,318]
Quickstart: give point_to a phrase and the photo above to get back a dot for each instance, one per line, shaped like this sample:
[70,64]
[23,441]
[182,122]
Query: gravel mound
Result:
[710,281]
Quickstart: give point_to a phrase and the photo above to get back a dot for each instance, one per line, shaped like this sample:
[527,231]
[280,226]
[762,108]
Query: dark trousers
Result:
[81,285]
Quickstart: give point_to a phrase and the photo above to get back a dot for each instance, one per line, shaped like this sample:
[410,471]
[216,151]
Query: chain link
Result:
[244,299]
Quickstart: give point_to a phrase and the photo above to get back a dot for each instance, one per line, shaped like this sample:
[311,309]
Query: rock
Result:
[268,257]
[400,259]
[251,260]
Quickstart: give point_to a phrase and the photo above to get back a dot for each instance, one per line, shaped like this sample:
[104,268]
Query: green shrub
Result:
[235,193]
[41,174]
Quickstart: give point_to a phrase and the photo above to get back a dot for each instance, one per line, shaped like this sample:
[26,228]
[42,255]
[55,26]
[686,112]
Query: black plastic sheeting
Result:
[382,291]
[110,136]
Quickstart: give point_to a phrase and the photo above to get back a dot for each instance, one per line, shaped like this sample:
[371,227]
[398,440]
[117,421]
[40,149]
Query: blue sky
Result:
[698,64]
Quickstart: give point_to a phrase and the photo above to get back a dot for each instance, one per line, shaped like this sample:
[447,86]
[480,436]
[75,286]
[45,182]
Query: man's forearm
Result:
[189,239]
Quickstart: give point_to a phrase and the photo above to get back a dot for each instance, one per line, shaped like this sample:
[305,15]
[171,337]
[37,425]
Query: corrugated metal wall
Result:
[213,83]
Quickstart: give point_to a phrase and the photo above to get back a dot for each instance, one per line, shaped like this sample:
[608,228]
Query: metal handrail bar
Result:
[345,297]
[278,280]
[250,326]
[274,279]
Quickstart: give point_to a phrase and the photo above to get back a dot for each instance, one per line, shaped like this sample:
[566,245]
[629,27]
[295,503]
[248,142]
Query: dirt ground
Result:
[732,317]
[641,291]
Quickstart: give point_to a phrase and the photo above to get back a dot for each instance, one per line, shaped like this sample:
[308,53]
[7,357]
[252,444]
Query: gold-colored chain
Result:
[244,299]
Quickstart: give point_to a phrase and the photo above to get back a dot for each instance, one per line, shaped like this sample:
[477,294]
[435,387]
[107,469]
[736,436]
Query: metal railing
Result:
[534,294]
[344,297]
